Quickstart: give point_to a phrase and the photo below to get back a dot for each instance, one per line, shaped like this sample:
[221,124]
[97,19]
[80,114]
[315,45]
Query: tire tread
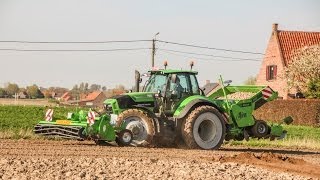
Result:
[146,118]
[188,122]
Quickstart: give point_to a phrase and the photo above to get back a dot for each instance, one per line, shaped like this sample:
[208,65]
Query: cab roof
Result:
[171,71]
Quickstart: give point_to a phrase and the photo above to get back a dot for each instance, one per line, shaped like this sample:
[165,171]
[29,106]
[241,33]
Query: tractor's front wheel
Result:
[82,134]
[140,124]
[124,137]
[204,128]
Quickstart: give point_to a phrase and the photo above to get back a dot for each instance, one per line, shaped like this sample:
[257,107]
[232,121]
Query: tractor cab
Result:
[171,87]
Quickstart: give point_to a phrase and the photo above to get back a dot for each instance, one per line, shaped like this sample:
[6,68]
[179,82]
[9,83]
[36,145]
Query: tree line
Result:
[10,90]
[85,88]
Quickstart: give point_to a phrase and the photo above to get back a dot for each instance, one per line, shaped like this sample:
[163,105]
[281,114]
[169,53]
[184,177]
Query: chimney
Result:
[207,81]
[275,27]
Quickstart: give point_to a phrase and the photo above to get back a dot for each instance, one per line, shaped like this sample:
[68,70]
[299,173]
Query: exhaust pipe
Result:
[137,81]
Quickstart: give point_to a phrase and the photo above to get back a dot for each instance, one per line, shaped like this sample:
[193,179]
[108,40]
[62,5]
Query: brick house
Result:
[94,99]
[278,55]
[57,94]
[66,97]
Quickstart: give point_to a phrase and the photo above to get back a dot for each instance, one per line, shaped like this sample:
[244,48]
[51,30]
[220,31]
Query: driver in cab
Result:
[176,88]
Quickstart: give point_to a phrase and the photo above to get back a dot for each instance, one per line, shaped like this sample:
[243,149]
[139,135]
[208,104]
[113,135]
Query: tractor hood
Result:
[142,96]
[131,100]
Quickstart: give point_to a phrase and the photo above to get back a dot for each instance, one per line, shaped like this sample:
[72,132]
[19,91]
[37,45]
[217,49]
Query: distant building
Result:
[57,94]
[113,92]
[66,97]
[278,55]
[23,95]
[94,99]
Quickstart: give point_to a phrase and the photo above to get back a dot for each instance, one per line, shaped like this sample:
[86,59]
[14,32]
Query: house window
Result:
[271,72]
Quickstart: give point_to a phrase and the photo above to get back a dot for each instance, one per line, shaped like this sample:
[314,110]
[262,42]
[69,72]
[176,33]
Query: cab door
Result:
[178,88]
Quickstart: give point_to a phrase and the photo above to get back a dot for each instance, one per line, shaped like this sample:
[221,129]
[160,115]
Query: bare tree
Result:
[95,87]
[250,81]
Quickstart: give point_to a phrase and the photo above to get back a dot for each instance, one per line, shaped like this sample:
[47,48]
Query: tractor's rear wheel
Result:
[140,124]
[203,128]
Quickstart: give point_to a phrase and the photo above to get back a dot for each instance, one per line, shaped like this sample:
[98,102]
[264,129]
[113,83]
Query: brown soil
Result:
[276,162]
[47,159]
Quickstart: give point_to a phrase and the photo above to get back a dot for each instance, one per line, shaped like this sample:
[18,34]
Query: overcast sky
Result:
[239,25]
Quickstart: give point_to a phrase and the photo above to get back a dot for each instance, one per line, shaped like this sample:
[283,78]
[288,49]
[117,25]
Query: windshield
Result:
[155,83]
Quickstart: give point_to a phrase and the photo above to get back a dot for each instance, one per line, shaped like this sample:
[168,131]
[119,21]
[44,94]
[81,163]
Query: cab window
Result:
[182,82]
[194,84]
[156,82]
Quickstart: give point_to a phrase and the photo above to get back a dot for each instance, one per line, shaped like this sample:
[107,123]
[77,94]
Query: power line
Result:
[74,42]
[73,50]
[204,47]
[207,59]
[125,41]
[227,57]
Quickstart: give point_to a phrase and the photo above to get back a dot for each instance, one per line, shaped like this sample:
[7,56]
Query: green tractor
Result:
[172,106]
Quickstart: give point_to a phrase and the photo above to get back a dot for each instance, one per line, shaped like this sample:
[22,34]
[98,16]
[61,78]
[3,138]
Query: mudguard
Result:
[190,103]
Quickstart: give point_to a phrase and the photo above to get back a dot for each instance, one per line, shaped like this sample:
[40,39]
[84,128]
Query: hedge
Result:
[303,111]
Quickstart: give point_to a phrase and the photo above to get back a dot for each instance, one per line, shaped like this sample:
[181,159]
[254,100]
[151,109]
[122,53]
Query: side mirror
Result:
[173,78]
[227,82]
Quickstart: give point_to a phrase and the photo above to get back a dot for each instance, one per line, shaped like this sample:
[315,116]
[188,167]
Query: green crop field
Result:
[18,121]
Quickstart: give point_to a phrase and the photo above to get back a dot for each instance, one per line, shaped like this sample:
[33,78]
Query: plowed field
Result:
[47,159]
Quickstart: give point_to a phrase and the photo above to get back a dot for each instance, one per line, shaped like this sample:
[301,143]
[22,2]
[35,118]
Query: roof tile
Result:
[92,96]
[294,40]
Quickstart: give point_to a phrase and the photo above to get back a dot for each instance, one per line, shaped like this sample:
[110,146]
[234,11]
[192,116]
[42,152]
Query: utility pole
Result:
[153,50]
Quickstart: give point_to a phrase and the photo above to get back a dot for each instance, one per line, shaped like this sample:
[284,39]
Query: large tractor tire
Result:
[140,124]
[203,128]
